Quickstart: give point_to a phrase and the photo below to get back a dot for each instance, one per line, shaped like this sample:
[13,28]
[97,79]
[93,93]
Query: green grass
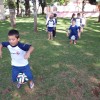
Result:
[61,71]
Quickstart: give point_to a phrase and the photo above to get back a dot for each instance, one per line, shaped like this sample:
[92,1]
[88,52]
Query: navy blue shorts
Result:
[76,36]
[25,69]
[50,29]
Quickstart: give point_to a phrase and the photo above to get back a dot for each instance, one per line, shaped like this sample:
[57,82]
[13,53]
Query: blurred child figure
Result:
[50,27]
[55,23]
[83,22]
[73,17]
[79,23]
[73,32]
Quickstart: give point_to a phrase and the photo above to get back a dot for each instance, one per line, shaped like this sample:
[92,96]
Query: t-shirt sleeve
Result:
[24,47]
[5,44]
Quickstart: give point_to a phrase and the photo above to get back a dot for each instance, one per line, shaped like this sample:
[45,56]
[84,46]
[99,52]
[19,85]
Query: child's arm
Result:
[68,33]
[27,55]
[1,50]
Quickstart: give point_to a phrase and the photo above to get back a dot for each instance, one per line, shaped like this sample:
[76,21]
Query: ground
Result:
[61,71]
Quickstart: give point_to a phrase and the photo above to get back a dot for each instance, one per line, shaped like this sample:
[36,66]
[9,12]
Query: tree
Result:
[17,4]
[27,8]
[83,5]
[42,3]
[2,10]
[96,2]
[11,4]
[35,15]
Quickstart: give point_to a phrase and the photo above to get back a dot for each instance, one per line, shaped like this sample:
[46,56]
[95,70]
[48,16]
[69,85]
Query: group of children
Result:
[74,31]
[76,27]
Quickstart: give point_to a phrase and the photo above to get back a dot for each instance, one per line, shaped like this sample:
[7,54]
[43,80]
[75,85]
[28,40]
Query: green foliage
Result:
[63,1]
[60,1]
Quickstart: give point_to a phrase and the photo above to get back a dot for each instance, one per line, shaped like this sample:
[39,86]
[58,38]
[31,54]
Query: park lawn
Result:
[61,71]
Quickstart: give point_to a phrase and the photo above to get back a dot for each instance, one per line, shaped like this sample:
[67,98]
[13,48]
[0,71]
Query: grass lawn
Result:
[61,71]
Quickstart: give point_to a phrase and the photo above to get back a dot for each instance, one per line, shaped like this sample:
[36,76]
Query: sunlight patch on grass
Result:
[97,30]
[55,65]
[89,54]
[3,23]
[78,46]
[23,41]
[55,43]
[25,20]
[24,33]
[60,30]
[97,65]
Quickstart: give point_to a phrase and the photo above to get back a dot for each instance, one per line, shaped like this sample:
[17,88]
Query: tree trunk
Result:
[17,7]
[27,8]
[99,13]
[83,5]
[35,15]
[11,4]
[43,4]
[12,18]
[2,16]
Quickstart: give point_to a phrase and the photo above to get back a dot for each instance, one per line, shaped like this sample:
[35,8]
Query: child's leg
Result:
[15,73]
[29,75]
[75,41]
[79,34]
[71,41]
[54,32]
[51,35]
[28,72]
[48,35]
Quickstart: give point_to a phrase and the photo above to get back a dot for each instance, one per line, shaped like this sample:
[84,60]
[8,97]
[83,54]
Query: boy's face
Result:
[13,40]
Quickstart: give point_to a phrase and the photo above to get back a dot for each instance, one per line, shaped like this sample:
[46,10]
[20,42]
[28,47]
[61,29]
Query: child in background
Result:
[83,22]
[50,27]
[73,32]
[20,53]
[79,23]
[73,17]
[55,21]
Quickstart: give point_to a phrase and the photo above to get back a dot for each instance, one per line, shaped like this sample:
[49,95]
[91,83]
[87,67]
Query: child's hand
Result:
[67,34]
[0,54]
[27,55]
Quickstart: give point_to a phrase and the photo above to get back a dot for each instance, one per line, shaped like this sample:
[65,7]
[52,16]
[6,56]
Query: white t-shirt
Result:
[83,21]
[78,22]
[17,53]
[50,23]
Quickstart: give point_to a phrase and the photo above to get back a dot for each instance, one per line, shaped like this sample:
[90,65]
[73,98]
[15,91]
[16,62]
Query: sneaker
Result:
[18,85]
[31,85]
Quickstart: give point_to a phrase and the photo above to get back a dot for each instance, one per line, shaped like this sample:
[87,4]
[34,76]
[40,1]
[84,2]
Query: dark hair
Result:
[78,14]
[13,32]
[73,15]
